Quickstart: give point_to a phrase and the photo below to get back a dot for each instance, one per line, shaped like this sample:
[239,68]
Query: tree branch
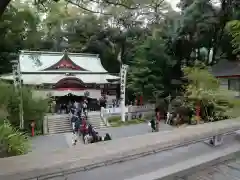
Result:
[120,4]
[3,6]
[86,9]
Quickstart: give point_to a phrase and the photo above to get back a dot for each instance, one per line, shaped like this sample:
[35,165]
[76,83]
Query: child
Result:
[153,125]
[74,139]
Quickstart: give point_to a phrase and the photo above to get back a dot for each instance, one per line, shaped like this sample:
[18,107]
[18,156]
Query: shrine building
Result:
[64,75]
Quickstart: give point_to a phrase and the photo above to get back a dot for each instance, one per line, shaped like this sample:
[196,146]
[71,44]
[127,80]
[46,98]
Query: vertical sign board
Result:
[123,74]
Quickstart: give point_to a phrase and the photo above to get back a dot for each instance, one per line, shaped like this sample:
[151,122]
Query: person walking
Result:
[74,139]
[158,117]
[85,106]
[153,124]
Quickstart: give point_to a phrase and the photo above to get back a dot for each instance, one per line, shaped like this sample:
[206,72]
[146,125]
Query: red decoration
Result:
[33,126]
[198,111]
[141,100]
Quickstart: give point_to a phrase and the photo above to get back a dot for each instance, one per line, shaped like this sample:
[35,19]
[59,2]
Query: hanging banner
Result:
[123,74]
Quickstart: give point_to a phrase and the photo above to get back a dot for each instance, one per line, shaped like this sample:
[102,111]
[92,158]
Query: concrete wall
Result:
[131,112]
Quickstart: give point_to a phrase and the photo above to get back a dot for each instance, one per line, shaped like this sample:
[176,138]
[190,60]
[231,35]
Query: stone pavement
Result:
[50,142]
[132,130]
[106,153]
[139,169]
[228,170]
[53,142]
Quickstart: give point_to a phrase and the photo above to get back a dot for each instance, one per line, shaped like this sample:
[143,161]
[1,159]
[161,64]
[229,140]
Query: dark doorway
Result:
[93,104]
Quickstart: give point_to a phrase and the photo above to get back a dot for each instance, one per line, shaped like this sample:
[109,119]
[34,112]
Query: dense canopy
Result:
[153,39]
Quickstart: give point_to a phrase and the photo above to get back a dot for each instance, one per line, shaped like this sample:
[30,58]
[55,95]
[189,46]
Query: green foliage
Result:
[12,142]
[150,75]
[204,89]
[154,60]
[115,121]
[34,109]
[233,27]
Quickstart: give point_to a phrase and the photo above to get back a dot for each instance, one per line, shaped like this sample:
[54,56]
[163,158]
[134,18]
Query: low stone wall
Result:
[105,153]
[131,112]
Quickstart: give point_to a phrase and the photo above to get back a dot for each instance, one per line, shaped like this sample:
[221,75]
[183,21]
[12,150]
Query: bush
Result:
[203,91]
[34,109]
[12,142]
[115,121]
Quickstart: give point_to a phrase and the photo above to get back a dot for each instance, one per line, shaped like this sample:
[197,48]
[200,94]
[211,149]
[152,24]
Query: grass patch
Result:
[115,121]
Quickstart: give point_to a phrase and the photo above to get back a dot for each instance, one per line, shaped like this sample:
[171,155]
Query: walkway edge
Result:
[191,165]
[88,157]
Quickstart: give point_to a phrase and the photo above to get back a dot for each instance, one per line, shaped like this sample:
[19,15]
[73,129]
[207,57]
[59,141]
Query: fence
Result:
[131,112]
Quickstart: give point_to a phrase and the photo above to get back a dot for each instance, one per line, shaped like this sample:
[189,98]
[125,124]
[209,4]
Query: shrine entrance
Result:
[69,90]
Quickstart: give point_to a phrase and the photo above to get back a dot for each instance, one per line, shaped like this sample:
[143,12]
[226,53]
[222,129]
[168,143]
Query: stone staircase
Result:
[96,121]
[59,123]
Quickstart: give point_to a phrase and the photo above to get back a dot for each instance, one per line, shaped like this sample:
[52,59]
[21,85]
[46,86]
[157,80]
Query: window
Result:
[233,84]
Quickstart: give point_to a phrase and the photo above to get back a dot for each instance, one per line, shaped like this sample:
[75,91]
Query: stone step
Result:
[59,131]
[97,124]
[58,120]
[53,123]
[59,127]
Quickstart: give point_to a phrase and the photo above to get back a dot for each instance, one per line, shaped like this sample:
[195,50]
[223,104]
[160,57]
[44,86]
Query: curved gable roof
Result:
[65,63]
[33,61]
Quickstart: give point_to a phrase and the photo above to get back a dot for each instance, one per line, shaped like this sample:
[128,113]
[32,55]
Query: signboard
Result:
[123,74]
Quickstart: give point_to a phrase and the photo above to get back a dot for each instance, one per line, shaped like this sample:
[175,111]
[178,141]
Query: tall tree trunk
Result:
[198,111]
[3,6]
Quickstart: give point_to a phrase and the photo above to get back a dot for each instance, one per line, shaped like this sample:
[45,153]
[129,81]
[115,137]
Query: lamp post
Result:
[17,80]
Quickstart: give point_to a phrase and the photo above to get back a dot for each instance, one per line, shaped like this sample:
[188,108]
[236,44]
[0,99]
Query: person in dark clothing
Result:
[98,138]
[153,125]
[94,136]
[73,122]
[90,129]
[107,137]
[84,128]
[77,124]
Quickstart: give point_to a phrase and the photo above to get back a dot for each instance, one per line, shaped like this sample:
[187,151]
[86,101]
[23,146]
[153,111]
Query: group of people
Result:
[65,108]
[81,126]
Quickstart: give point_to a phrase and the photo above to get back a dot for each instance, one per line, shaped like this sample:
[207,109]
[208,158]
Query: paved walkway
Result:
[110,152]
[64,140]
[132,130]
[135,168]
[229,170]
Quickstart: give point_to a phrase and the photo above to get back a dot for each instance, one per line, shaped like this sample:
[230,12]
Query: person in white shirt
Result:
[74,139]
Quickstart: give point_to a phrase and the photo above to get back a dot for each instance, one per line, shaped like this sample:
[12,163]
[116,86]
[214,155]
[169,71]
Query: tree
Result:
[201,27]
[83,4]
[203,94]
[233,28]
[150,75]
[34,109]
[19,30]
